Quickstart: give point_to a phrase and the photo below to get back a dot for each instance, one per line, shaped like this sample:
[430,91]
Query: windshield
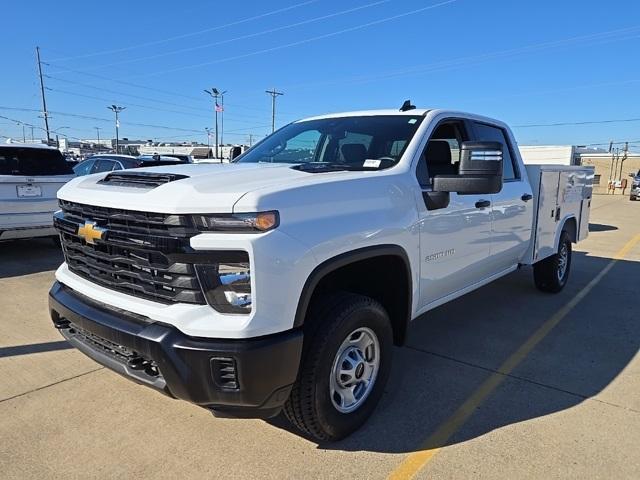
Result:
[355,142]
[33,162]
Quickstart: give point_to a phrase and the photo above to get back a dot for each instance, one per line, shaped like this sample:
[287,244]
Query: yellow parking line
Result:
[415,461]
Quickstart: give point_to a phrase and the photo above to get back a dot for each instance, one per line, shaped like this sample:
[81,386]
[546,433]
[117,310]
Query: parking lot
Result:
[506,382]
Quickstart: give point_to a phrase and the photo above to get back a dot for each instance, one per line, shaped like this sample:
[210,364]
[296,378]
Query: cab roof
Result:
[369,113]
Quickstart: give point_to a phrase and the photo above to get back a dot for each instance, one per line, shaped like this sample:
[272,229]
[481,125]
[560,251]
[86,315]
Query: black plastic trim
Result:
[342,260]
[266,366]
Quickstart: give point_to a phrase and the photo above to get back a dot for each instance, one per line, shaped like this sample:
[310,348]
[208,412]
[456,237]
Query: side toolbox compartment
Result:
[561,193]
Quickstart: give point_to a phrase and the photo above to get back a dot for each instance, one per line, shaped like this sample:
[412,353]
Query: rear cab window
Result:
[491,133]
[33,162]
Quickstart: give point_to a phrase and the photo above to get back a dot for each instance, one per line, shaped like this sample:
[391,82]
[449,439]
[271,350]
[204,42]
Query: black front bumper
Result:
[245,378]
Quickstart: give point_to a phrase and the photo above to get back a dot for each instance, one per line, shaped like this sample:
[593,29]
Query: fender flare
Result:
[347,258]
[561,229]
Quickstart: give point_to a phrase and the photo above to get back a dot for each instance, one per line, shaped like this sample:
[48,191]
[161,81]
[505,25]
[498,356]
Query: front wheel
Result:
[344,367]
[552,273]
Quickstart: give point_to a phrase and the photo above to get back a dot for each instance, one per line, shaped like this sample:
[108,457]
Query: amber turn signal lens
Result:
[266,221]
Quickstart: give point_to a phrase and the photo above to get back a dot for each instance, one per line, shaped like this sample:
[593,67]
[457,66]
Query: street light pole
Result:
[215,94]
[98,133]
[116,109]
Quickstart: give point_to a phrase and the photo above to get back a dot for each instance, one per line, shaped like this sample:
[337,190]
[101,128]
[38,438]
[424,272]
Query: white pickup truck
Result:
[282,280]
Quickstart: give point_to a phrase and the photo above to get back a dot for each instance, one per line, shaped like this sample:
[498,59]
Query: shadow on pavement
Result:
[600,227]
[23,257]
[34,348]
[453,349]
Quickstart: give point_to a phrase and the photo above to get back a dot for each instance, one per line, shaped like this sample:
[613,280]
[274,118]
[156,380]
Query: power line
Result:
[589,122]
[128,104]
[142,87]
[475,59]
[242,37]
[190,34]
[301,42]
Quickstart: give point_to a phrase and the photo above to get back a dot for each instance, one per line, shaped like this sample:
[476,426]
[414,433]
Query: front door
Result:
[455,238]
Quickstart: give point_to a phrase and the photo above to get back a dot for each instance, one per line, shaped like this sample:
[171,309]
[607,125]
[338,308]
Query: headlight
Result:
[227,284]
[238,222]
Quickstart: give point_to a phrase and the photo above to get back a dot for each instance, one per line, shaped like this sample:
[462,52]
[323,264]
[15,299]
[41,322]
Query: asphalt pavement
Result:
[506,382]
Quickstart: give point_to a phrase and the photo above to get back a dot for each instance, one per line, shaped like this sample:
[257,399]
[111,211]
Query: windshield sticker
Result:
[412,121]
[371,163]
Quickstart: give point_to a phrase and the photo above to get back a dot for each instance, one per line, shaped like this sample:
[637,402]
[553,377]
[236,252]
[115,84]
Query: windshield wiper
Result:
[322,167]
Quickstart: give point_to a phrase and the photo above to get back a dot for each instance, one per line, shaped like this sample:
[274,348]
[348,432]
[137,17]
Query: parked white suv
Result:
[30,176]
[282,280]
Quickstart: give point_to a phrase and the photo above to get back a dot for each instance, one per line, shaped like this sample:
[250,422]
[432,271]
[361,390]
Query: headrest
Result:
[353,152]
[438,152]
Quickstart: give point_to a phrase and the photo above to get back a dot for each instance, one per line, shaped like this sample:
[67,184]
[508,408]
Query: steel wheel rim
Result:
[563,260]
[354,370]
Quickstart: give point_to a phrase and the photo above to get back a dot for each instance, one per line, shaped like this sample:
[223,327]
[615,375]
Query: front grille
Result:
[141,253]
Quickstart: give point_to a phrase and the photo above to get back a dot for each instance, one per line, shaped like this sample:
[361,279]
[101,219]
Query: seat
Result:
[353,153]
[438,156]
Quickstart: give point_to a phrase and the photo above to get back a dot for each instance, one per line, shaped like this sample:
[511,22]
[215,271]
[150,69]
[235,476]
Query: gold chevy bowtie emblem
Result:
[90,232]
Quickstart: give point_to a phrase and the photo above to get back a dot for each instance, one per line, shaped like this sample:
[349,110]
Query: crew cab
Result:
[30,176]
[282,280]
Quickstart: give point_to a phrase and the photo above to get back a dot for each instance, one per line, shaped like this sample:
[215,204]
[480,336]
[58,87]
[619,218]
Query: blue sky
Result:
[525,62]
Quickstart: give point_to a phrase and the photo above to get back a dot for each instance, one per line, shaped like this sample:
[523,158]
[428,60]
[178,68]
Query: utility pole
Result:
[273,94]
[24,139]
[32,127]
[250,140]
[214,93]
[98,133]
[116,109]
[222,117]
[45,114]
[208,130]
[625,151]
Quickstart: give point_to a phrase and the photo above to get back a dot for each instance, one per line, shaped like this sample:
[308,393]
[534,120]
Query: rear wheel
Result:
[552,273]
[344,367]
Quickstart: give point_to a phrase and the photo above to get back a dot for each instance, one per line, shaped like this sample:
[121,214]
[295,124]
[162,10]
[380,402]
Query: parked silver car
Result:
[30,176]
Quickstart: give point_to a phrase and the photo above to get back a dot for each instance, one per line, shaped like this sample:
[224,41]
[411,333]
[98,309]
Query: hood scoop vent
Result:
[140,179]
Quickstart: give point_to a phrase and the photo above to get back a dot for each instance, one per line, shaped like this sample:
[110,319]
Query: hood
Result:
[192,188]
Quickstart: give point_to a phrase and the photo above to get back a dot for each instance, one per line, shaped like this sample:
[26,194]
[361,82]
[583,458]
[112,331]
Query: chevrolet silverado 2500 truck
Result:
[282,280]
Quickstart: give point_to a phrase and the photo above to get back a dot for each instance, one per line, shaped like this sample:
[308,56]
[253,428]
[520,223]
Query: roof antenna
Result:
[406,106]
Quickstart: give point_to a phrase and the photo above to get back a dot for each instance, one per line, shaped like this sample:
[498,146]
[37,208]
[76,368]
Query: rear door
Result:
[29,181]
[512,207]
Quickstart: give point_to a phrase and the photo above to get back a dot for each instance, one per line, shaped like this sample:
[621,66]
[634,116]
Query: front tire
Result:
[345,366]
[551,274]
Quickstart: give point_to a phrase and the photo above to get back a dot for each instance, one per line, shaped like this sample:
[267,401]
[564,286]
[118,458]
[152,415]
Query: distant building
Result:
[611,168]
[608,167]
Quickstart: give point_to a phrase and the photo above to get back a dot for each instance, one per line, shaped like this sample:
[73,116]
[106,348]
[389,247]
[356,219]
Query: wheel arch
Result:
[569,225]
[398,303]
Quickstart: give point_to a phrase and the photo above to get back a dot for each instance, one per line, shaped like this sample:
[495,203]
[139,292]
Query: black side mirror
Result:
[480,170]
[234,152]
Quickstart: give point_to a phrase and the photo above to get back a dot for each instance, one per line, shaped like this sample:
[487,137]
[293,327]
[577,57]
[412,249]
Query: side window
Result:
[441,155]
[300,148]
[83,168]
[117,166]
[103,166]
[488,133]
